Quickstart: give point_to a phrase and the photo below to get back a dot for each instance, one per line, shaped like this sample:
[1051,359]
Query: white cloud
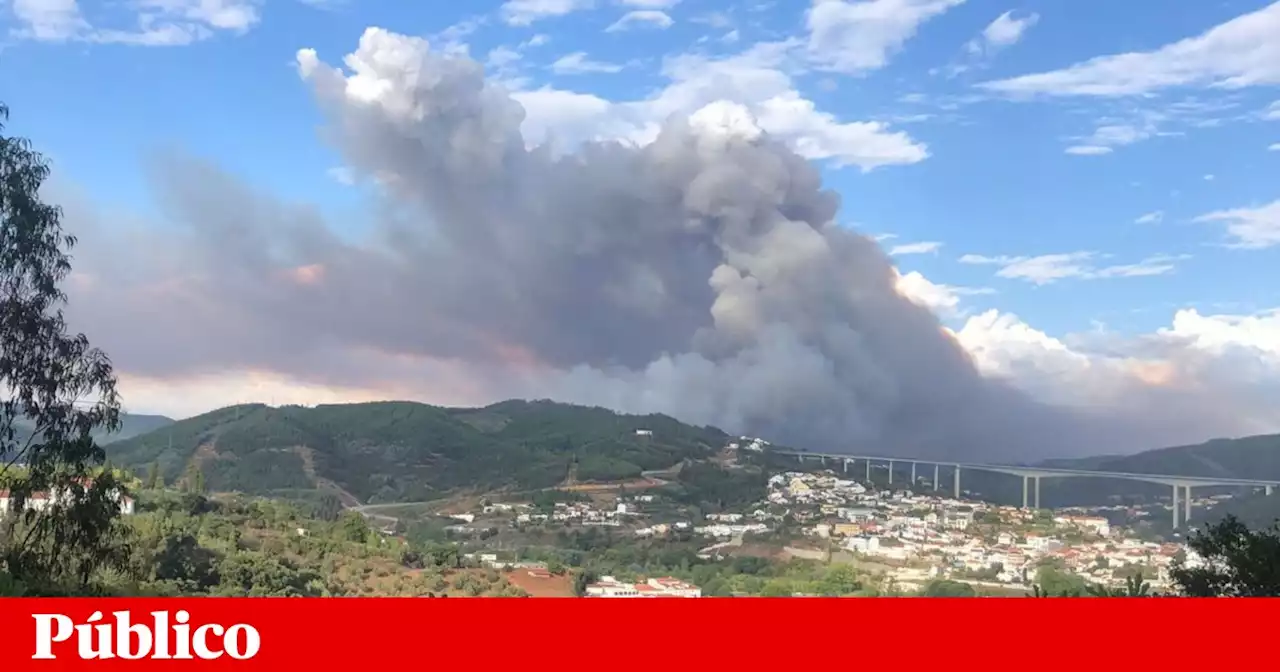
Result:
[1216,334]
[714,20]
[641,18]
[1274,148]
[1088,150]
[1210,177]
[1049,268]
[924,247]
[651,4]
[1112,133]
[1201,376]
[157,22]
[943,300]
[526,12]
[1272,112]
[1005,31]
[235,15]
[1150,218]
[757,78]
[1215,373]
[342,175]
[857,36]
[577,63]
[1239,53]
[500,57]
[50,20]
[1249,228]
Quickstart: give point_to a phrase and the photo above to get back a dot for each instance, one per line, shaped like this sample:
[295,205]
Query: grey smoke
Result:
[699,275]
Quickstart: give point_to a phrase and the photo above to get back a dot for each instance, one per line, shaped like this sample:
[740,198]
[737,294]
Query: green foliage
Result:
[1054,582]
[945,588]
[546,500]
[714,488]
[184,543]
[250,574]
[1134,586]
[402,451]
[59,394]
[1238,562]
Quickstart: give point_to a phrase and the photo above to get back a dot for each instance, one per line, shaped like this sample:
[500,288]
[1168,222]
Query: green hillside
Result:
[404,451]
[1249,457]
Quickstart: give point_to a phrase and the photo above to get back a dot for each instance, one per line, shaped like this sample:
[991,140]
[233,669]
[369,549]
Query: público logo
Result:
[164,638]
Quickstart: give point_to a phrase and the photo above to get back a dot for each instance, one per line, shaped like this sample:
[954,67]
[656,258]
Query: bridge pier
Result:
[935,477]
[1267,491]
[1026,486]
[1037,479]
[868,472]
[1175,506]
[913,474]
[1186,506]
[846,465]
[956,478]
[890,472]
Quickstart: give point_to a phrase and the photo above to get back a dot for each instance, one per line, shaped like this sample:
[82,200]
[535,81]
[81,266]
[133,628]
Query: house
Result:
[661,587]
[644,432]
[38,501]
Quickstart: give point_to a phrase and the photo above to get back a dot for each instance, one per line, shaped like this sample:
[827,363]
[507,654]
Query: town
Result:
[907,539]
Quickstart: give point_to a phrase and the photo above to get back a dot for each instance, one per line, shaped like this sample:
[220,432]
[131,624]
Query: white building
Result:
[662,587]
[39,501]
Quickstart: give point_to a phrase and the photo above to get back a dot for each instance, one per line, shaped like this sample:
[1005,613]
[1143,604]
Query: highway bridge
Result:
[1031,476]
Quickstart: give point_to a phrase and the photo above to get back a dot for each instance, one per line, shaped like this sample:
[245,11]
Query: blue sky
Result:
[976,137]
[997,181]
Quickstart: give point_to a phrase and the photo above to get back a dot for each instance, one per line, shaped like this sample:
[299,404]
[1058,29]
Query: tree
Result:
[58,390]
[1134,586]
[581,580]
[153,476]
[945,588]
[1236,562]
[1054,582]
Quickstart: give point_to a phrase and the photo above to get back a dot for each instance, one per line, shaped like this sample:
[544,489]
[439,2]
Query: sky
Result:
[1083,194]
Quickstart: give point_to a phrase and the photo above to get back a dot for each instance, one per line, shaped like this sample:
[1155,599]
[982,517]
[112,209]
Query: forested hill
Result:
[1248,457]
[404,451]
[1256,457]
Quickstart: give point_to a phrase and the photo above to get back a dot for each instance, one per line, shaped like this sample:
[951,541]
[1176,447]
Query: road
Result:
[655,477]
[735,541]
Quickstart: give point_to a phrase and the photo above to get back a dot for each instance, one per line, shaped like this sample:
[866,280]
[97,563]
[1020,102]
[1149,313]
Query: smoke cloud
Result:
[700,275]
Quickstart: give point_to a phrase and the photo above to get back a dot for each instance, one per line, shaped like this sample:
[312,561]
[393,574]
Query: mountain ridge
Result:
[383,452]
[406,451]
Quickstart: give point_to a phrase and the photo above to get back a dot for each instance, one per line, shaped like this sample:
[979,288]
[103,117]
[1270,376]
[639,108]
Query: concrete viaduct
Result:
[1031,476]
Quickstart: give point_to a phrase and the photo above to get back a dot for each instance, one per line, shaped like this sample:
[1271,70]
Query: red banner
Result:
[754,633]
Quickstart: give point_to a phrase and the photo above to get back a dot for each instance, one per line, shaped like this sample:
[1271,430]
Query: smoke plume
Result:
[700,274]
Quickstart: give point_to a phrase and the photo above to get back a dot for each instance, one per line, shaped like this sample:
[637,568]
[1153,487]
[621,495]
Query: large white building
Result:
[664,587]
